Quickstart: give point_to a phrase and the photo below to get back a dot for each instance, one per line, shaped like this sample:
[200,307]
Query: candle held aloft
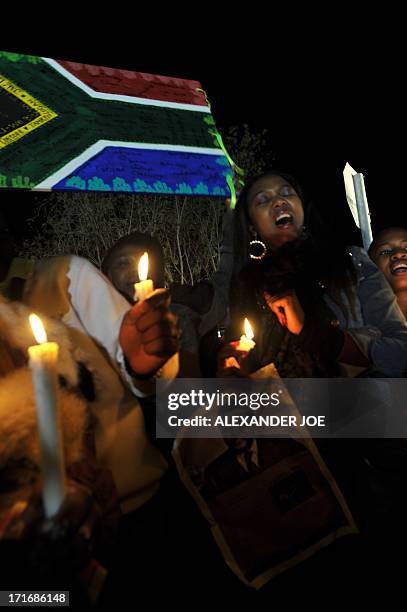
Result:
[43,363]
[246,342]
[145,287]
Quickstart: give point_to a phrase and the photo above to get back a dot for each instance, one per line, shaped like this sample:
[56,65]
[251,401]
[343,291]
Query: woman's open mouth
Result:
[283,220]
[399,268]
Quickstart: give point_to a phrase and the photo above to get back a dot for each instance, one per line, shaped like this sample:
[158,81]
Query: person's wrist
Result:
[150,376]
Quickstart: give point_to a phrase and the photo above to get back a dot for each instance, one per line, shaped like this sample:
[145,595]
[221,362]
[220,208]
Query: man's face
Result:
[123,271]
[390,255]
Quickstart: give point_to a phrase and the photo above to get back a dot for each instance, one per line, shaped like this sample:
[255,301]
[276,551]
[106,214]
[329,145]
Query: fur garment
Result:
[19,442]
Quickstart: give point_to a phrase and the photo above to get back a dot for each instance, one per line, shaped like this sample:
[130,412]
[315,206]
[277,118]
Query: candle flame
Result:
[248,330]
[143,267]
[38,329]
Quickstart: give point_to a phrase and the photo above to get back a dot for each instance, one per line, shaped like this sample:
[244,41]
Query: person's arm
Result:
[324,338]
[331,343]
[101,312]
[383,339]
[381,343]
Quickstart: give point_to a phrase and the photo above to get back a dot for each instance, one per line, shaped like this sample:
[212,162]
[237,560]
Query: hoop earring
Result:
[263,254]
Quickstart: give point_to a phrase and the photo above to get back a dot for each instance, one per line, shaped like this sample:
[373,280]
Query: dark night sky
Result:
[325,97]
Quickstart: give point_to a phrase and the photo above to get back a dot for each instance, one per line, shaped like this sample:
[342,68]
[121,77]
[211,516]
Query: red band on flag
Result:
[139,84]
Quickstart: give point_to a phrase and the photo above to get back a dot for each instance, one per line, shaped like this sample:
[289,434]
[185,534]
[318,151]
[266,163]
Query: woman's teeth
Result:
[283,218]
[400,268]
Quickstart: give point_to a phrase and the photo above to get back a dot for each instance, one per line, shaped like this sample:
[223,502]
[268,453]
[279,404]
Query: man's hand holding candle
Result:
[59,546]
[149,334]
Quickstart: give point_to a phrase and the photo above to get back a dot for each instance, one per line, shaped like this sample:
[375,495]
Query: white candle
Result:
[43,361]
[145,287]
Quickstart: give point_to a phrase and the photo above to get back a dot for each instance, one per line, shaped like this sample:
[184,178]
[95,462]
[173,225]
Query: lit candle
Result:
[246,341]
[145,287]
[43,362]
[245,344]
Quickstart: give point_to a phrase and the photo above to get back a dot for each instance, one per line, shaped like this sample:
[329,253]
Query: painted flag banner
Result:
[69,126]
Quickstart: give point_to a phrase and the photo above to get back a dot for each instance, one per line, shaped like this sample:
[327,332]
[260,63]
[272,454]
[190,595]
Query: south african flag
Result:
[70,126]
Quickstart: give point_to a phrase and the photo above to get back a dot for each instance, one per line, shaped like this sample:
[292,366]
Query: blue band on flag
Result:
[151,170]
